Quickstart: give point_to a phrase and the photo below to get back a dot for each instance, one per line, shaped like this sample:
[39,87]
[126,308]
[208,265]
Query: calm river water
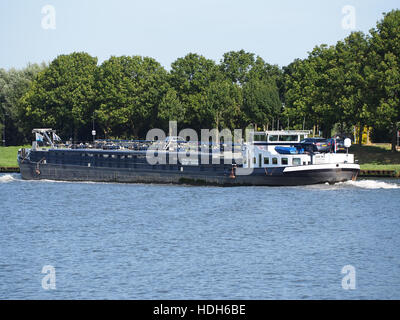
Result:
[137,241]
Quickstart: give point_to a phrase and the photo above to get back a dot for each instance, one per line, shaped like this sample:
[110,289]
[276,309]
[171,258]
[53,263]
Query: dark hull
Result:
[189,175]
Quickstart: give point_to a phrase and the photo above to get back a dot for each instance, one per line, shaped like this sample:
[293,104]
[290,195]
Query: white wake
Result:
[372,184]
[4,178]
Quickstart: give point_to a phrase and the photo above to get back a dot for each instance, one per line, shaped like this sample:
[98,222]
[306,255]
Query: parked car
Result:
[339,143]
[317,144]
[111,146]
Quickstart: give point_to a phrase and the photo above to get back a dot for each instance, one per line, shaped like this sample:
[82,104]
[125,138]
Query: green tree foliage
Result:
[355,97]
[171,109]
[236,66]
[62,96]
[325,106]
[312,86]
[129,93]
[299,89]
[385,58]
[3,86]
[223,99]
[356,82]
[258,81]
[13,85]
[261,103]
[191,77]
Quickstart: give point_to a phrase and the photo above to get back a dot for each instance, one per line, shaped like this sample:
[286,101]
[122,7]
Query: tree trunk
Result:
[394,138]
[106,131]
[327,131]
[360,134]
[136,132]
[217,131]
[75,134]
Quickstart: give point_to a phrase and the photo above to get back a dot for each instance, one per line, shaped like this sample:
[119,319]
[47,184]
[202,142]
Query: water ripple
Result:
[137,241]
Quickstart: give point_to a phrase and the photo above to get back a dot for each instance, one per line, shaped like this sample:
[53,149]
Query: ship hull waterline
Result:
[279,176]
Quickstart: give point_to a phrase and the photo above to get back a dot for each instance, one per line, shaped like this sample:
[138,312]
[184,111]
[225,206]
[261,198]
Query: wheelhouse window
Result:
[273,138]
[288,138]
[296,161]
[260,137]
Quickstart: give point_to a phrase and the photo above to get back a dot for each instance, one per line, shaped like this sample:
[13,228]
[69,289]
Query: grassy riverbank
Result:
[376,157]
[8,156]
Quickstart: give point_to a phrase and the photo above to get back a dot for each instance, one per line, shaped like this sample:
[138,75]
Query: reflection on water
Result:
[142,241]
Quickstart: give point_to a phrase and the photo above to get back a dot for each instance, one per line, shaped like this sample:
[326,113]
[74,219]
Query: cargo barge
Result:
[269,158]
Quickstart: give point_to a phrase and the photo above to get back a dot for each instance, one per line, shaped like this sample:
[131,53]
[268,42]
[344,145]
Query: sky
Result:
[278,31]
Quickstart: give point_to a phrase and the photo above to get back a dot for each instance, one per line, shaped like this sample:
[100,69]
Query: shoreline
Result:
[9,169]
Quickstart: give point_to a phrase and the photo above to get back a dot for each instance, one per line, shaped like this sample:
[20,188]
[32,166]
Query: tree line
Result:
[353,83]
